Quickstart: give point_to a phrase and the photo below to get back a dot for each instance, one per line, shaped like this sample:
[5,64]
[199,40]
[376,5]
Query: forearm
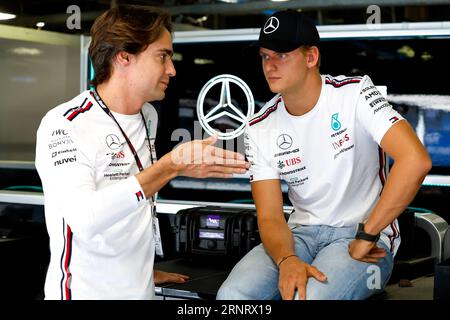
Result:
[155,177]
[403,183]
[277,238]
[273,229]
[86,209]
[105,207]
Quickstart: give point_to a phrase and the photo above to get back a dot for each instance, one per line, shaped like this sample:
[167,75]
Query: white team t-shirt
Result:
[98,218]
[329,157]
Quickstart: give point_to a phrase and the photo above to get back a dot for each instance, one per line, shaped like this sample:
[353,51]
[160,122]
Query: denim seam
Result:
[330,237]
[350,287]
[316,246]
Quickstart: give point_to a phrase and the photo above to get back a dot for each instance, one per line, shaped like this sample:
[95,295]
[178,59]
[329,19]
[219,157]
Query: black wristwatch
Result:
[360,234]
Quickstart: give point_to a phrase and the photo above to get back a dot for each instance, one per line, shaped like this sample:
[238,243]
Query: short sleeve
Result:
[374,112]
[260,168]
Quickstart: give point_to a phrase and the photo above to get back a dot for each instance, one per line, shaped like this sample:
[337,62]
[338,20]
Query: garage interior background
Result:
[43,63]
[226,14]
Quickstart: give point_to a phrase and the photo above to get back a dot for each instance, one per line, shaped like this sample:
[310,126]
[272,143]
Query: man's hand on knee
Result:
[294,275]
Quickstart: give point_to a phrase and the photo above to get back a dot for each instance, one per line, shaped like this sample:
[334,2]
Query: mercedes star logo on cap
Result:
[271,25]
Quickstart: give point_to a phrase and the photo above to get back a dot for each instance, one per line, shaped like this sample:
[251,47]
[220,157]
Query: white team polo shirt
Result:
[329,157]
[97,216]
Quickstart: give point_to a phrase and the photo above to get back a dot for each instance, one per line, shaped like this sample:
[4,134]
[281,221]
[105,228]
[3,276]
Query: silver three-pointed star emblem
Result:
[271,25]
[113,141]
[225,108]
[284,141]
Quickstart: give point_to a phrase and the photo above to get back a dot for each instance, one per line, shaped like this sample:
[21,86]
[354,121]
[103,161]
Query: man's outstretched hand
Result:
[200,159]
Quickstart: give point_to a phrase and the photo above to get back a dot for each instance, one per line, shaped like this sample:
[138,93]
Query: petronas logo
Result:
[335,124]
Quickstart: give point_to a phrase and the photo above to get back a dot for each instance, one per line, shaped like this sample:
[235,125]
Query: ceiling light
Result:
[6,16]
[24,51]
[203,61]
[177,56]
[426,56]
[202,19]
[407,51]
[230,1]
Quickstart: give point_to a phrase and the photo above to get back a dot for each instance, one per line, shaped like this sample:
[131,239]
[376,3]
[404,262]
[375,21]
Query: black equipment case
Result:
[216,231]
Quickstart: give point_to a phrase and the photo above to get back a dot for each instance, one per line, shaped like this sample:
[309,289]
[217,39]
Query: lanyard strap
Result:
[133,150]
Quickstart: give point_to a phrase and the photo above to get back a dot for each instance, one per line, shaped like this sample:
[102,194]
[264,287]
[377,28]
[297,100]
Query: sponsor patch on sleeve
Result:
[139,196]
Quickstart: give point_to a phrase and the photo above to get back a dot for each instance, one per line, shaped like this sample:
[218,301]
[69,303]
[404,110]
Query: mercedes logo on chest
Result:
[113,141]
[284,141]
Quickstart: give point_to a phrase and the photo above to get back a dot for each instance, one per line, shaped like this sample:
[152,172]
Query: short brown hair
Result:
[128,28]
[305,50]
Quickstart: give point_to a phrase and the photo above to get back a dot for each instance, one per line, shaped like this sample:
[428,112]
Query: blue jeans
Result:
[255,276]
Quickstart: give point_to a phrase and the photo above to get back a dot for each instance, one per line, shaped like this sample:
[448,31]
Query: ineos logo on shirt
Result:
[113,141]
[271,25]
[284,141]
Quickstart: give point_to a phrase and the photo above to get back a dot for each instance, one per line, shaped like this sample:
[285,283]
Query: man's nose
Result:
[171,69]
[269,65]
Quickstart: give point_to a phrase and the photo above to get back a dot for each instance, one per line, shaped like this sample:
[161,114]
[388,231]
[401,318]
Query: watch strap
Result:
[360,234]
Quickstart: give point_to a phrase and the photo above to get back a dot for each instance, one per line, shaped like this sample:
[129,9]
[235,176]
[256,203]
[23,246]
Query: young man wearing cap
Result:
[325,137]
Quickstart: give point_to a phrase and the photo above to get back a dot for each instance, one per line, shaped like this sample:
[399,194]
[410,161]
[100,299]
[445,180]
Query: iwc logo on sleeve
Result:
[225,107]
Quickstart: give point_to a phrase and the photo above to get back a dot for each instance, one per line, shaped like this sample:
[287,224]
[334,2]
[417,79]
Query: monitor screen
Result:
[211,235]
[213,221]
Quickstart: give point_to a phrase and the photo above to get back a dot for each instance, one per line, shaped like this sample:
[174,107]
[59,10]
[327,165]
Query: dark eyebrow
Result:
[167,51]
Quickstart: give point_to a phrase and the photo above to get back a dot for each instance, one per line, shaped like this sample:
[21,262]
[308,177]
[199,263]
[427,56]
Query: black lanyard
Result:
[133,150]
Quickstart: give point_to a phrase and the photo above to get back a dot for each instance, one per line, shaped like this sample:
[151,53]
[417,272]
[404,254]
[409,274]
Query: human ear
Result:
[312,57]
[123,58]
